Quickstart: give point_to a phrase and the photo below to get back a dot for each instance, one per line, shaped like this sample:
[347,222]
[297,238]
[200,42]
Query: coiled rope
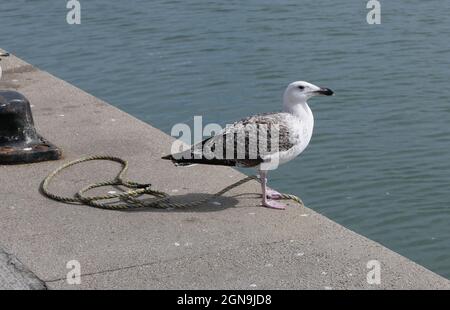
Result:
[130,198]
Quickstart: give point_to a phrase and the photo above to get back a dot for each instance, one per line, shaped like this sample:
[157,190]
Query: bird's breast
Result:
[301,133]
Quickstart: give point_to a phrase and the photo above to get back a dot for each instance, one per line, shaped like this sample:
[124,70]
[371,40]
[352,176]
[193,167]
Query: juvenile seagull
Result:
[294,127]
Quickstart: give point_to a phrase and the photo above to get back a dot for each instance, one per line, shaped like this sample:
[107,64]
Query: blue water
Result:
[379,158]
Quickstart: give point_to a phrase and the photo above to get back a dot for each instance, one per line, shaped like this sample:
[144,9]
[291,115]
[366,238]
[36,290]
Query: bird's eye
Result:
[301,87]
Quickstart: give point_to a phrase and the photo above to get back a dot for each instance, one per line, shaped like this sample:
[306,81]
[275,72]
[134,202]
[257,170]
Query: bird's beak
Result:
[324,91]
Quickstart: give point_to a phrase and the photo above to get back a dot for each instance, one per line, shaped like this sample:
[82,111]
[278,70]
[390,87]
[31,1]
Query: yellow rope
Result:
[130,197]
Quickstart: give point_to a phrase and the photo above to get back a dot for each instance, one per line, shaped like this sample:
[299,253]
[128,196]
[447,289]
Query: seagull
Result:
[288,133]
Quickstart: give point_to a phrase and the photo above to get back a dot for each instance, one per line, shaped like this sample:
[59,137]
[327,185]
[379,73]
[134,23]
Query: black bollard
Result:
[19,141]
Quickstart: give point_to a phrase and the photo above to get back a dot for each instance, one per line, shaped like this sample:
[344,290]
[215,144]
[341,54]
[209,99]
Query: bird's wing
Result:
[276,125]
[249,140]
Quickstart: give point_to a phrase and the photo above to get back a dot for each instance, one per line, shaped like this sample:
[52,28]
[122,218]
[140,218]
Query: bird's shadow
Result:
[213,203]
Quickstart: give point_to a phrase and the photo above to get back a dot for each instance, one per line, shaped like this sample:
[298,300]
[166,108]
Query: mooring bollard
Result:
[19,141]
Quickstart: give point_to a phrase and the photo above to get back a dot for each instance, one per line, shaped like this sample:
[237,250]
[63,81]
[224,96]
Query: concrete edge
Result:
[16,276]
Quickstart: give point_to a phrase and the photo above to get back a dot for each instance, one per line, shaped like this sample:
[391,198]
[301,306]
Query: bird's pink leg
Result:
[266,202]
[273,194]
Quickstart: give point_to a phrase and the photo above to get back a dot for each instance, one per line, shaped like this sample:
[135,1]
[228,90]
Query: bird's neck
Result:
[299,109]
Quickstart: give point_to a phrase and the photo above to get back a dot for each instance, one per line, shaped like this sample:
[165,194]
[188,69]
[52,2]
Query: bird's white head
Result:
[300,91]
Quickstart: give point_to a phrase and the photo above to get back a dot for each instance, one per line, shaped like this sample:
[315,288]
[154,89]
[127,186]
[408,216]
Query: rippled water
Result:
[379,158]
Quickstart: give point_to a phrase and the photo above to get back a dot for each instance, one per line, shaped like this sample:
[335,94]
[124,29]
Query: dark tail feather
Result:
[189,161]
[175,161]
[168,157]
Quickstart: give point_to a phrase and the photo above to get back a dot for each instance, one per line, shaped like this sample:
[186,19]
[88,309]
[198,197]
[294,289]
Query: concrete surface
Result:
[234,245]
